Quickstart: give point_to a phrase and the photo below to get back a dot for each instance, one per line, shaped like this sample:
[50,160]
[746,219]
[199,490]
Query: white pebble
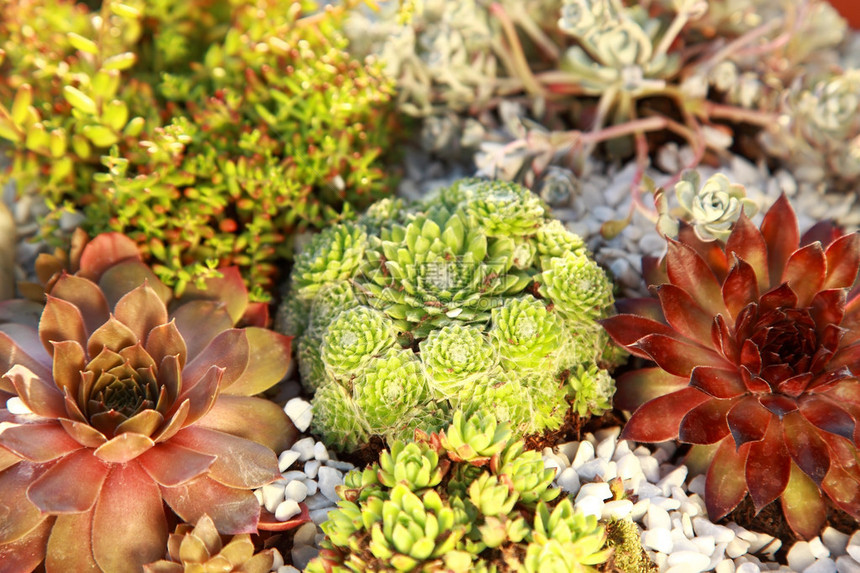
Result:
[822,565]
[818,549]
[568,480]
[656,518]
[589,505]
[302,555]
[277,560]
[748,567]
[737,547]
[650,467]
[288,569]
[621,450]
[606,448]
[293,474]
[328,479]
[800,556]
[312,467]
[258,493]
[300,412]
[704,544]
[338,465]
[320,516]
[296,490]
[692,561]
[317,501]
[725,566]
[618,509]
[845,564]
[305,448]
[697,485]
[584,453]
[320,452]
[834,540]
[305,534]
[568,449]
[628,466]
[273,495]
[286,459]
[657,540]
[599,490]
[674,478]
[287,509]
[720,533]
[640,508]
[16,406]
[311,485]
[666,503]
[593,469]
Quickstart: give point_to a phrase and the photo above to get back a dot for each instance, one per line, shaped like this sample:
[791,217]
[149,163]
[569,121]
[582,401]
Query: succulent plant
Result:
[201,548]
[757,359]
[714,207]
[446,513]
[136,399]
[208,132]
[470,297]
[818,133]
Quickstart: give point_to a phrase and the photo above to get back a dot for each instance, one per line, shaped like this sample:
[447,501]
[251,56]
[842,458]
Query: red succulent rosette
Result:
[136,400]
[757,351]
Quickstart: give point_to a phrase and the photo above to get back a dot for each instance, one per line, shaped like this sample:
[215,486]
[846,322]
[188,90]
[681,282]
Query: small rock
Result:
[845,564]
[818,549]
[822,565]
[834,540]
[657,540]
[338,465]
[300,412]
[293,474]
[286,459]
[277,559]
[692,561]
[656,518]
[674,478]
[640,508]
[311,485]
[287,509]
[720,533]
[606,448]
[305,534]
[725,566]
[800,556]
[320,516]
[568,449]
[589,505]
[305,448]
[622,448]
[650,467]
[273,495]
[584,453]
[296,490]
[568,480]
[628,466]
[748,567]
[328,479]
[599,490]
[697,485]
[320,452]
[593,469]
[618,509]
[318,501]
[287,569]
[302,555]
[704,544]
[737,547]
[312,467]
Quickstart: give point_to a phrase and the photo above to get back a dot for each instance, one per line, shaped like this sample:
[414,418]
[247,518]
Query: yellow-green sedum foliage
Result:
[207,130]
[472,297]
[426,507]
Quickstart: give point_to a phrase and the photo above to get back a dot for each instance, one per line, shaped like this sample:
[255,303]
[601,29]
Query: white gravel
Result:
[670,511]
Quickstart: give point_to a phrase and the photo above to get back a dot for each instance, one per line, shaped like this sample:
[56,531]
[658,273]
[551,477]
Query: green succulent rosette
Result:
[425,507]
[578,288]
[390,390]
[337,418]
[455,356]
[353,338]
[502,209]
[592,390]
[526,334]
[329,302]
[473,296]
[332,255]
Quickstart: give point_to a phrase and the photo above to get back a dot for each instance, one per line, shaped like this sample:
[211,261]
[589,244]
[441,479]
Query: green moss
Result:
[624,537]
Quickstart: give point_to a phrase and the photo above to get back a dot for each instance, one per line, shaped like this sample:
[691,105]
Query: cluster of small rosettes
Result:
[466,499]
[819,131]
[472,297]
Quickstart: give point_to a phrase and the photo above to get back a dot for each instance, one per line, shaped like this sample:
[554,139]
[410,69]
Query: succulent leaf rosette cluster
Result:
[469,499]
[757,352]
[473,296]
[118,399]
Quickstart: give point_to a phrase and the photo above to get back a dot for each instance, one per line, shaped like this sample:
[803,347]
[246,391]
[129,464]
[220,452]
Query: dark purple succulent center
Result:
[787,342]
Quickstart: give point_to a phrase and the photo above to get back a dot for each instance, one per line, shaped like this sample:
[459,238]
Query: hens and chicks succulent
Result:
[473,297]
[467,499]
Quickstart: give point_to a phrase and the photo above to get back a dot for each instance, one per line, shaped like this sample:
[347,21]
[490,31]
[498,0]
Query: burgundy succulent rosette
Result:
[757,349]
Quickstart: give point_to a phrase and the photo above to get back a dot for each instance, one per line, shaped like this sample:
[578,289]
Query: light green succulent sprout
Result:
[473,296]
[424,508]
[592,389]
[475,438]
[713,208]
